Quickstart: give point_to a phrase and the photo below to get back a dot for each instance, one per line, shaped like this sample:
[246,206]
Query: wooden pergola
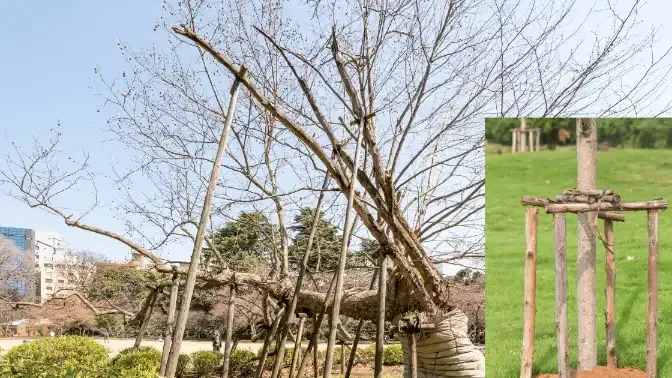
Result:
[522,135]
[605,203]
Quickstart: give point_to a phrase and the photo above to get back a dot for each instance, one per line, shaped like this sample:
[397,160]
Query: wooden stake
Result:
[531,216]
[342,357]
[170,323]
[611,293]
[181,322]
[229,329]
[651,343]
[380,324]
[296,357]
[280,356]
[145,319]
[561,326]
[413,366]
[268,340]
[358,333]
[338,293]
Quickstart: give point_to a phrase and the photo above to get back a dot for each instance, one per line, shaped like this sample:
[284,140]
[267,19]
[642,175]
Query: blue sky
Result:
[49,53]
[47,75]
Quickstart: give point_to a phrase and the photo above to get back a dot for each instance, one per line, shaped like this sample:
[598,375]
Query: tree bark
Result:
[170,323]
[586,156]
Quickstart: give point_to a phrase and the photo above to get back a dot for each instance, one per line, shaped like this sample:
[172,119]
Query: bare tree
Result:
[417,76]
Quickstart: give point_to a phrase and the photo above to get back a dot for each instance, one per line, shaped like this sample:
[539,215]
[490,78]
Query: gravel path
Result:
[115,345]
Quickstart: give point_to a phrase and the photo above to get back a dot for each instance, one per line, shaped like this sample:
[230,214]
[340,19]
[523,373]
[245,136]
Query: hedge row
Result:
[81,357]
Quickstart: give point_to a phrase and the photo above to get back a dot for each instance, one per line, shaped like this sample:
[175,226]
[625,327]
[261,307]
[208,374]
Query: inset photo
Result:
[578,265]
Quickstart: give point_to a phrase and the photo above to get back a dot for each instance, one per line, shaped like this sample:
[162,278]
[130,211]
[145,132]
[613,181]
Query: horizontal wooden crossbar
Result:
[605,206]
[540,202]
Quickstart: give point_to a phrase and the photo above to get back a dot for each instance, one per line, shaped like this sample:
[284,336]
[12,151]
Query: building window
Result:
[60,281]
[59,266]
[49,266]
[48,280]
[49,288]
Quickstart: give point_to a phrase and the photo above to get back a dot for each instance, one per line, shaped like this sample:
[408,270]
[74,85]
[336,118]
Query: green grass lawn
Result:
[635,175]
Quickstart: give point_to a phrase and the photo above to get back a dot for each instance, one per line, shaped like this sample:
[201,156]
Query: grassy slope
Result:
[636,175]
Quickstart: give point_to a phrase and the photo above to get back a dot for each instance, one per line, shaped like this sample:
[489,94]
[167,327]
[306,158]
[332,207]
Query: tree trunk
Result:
[586,157]
[446,350]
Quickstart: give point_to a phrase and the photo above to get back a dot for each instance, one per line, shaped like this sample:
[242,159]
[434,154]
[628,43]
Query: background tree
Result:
[327,241]
[245,242]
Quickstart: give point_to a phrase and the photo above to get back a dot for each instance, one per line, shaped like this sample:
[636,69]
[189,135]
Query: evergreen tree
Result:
[326,245]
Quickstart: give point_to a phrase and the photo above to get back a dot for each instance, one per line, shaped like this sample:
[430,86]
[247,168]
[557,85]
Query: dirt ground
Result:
[603,372]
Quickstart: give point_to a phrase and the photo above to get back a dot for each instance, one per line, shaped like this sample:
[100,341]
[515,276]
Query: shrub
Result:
[368,354]
[205,362]
[393,355]
[183,362]
[242,363]
[143,362]
[126,351]
[56,357]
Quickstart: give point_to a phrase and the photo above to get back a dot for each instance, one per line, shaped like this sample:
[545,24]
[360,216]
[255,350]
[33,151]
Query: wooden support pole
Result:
[413,360]
[651,339]
[268,340]
[194,262]
[170,324]
[561,325]
[228,343]
[296,357]
[358,332]
[380,324]
[349,219]
[342,357]
[531,217]
[151,300]
[611,292]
